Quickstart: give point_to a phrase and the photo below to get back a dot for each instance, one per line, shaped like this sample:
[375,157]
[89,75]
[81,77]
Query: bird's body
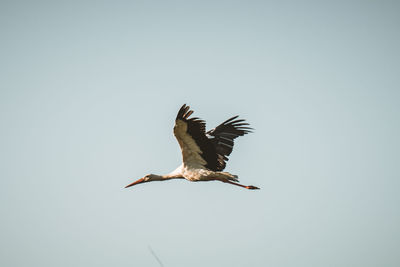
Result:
[204,153]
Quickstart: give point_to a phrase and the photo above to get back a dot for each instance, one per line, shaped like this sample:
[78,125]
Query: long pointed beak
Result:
[141,180]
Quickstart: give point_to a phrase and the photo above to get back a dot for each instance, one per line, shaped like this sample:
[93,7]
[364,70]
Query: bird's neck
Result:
[169,176]
[156,177]
[176,174]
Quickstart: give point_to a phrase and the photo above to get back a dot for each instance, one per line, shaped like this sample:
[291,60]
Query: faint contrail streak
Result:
[155,256]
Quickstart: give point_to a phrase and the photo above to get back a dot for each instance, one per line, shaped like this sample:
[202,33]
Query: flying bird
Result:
[204,153]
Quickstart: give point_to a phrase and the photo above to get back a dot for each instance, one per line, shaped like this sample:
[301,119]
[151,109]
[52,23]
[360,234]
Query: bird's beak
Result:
[141,180]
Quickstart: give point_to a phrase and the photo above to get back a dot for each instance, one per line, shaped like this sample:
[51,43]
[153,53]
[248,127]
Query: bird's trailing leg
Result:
[225,180]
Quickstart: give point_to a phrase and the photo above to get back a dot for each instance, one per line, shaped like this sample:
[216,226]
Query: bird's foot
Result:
[252,187]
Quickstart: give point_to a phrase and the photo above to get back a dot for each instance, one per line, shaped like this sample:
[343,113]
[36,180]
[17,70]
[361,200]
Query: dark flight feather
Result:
[217,144]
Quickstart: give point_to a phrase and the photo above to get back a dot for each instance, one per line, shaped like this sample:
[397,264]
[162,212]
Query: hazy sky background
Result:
[89,94]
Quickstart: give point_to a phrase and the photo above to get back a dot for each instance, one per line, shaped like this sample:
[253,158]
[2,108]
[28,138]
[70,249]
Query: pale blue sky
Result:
[89,93]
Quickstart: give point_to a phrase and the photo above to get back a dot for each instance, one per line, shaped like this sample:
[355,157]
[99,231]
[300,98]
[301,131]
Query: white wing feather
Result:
[190,150]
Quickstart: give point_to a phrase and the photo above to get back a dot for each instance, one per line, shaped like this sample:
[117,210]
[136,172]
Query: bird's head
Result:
[145,179]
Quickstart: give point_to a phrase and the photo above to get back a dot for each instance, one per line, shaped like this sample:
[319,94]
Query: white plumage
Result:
[204,154]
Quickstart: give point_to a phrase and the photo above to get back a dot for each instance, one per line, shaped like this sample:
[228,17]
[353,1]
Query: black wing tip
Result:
[230,120]
[248,130]
[184,112]
[239,124]
[236,121]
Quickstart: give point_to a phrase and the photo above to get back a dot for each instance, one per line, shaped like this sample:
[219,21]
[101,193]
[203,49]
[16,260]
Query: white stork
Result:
[204,153]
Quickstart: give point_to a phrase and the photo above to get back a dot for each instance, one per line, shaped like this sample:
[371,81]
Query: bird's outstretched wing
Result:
[211,149]
[197,149]
[223,135]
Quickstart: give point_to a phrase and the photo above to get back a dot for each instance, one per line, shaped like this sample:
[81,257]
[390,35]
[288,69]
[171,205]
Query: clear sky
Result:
[89,94]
